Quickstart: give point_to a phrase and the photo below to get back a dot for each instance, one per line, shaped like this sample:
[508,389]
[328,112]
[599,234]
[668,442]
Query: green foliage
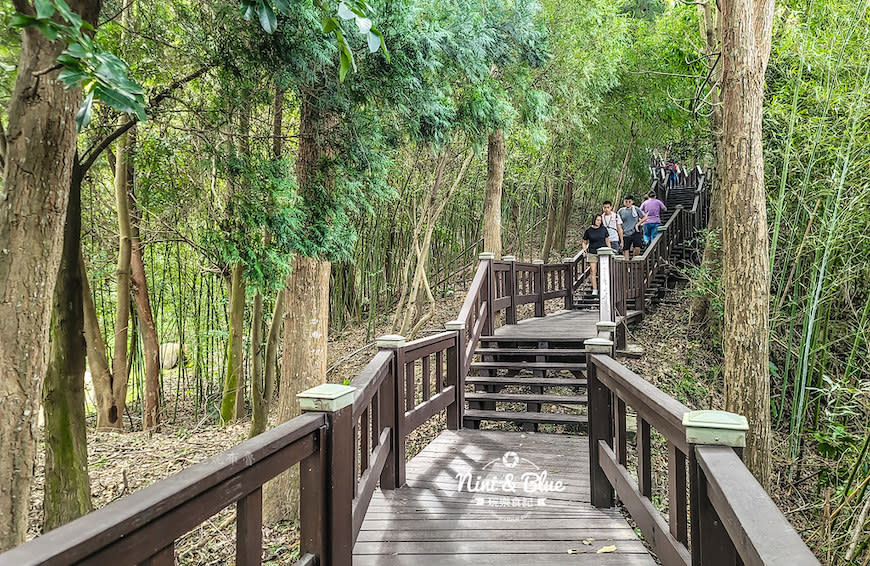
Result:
[351,10]
[265,202]
[101,75]
[706,282]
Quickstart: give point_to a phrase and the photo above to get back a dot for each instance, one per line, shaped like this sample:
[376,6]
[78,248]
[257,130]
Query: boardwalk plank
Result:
[497,546]
[558,559]
[431,522]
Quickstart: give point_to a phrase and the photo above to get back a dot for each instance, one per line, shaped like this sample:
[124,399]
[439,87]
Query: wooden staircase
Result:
[522,381]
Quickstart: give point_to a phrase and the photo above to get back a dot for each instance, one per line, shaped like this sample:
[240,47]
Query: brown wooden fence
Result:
[733,521]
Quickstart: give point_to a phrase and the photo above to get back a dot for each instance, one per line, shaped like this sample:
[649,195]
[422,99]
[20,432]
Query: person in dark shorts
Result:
[632,221]
[594,237]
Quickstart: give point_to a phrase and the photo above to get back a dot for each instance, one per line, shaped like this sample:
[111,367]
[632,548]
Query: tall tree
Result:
[67,491]
[495,156]
[34,199]
[263,376]
[306,312]
[746,37]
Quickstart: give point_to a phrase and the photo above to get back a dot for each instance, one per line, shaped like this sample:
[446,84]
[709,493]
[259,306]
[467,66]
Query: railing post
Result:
[392,411]
[249,529]
[539,286]
[489,324]
[569,282]
[605,287]
[600,424]
[510,315]
[336,402]
[641,265]
[711,545]
[456,375]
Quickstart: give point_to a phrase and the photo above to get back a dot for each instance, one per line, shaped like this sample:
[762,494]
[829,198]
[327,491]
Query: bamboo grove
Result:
[263,137]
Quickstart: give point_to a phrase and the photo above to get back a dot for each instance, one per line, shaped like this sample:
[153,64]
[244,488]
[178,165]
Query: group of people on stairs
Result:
[628,230]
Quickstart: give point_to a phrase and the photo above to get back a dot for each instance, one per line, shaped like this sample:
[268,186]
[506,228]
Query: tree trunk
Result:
[550,234]
[67,493]
[306,312]
[98,361]
[269,377]
[746,36]
[263,391]
[111,416]
[410,315]
[258,399]
[235,347]
[492,200]
[306,320]
[565,214]
[263,382]
[40,149]
[699,307]
[150,342]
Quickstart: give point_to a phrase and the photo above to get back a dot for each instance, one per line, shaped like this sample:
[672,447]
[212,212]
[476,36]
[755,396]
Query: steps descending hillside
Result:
[520,380]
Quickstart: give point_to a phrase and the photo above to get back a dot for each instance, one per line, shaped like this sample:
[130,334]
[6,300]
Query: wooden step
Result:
[527,381]
[548,352]
[529,366]
[528,398]
[472,415]
[532,342]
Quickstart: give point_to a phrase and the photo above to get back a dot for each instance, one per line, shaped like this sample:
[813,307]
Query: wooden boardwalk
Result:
[466,502]
[560,326]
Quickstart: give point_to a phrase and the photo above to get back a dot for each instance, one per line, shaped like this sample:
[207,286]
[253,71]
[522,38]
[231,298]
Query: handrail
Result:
[731,513]
[659,409]
[473,291]
[147,522]
[369,380]
[760,532]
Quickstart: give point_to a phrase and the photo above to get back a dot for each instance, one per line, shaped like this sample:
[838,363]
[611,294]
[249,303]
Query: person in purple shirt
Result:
[653,209]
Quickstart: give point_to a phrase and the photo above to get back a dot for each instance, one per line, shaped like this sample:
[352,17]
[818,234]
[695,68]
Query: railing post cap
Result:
[606,250]
[508,258]
[390,341]
[454,325]
[715,427]
[329,397]
[538,262]
[605,325]
[598,345]
[568,259]
[486,255]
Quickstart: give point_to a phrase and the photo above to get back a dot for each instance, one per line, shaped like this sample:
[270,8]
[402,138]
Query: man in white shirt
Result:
[613,223]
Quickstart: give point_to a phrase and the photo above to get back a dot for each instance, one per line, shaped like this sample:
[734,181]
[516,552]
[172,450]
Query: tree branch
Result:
[664,74]
[91,155]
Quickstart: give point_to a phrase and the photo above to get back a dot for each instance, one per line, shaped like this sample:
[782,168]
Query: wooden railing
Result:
[344,454]
[142,528]
[632,278]
[731,515]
